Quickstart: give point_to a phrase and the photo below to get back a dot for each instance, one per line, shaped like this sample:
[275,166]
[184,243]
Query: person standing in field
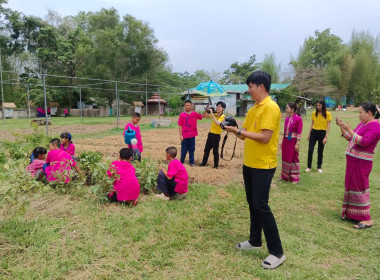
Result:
[291,144]
[187,123]
[319,131]
[134,125]
[260,131]
[359,161]
[213,137]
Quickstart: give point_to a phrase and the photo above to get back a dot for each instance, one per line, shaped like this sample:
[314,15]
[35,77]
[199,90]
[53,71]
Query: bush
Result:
[146,172]
[18,182]
[23,145]
[87,160]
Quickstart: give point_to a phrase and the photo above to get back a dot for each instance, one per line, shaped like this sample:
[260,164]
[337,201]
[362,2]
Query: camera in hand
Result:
[229,121]
[212,108]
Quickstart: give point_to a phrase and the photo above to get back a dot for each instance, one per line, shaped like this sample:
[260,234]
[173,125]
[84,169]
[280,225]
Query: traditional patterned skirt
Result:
[356,204]
[290,161]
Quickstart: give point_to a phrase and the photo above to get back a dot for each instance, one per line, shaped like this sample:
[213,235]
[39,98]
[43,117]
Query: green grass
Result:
[59,236]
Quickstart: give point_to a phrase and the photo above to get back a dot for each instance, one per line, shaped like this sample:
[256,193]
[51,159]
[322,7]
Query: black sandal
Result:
[361,226]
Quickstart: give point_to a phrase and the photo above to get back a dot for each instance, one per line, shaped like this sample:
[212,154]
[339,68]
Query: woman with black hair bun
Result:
[319,131]
[359,161]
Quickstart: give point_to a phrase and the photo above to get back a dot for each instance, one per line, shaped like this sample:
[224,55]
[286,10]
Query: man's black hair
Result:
[172,151]
[221,103]
[260,78]
[187,101]
[136,115]
[126,153]
[55,142]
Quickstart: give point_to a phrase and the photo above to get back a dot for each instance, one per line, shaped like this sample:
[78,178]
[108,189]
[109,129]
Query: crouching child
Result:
[173,182]
[37,161]
[59,163]
[126,185]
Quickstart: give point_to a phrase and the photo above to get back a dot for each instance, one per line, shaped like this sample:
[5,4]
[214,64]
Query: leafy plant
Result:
[101,183]
[23,145]
[87,160]
[146,172]
[3,159]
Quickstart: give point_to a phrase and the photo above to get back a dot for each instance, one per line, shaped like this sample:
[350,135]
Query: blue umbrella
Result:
[210,89]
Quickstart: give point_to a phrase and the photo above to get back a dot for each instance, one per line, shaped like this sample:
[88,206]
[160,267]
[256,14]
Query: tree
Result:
[319,51]
[269,65]
[365,78]
[238,73]
[312,82]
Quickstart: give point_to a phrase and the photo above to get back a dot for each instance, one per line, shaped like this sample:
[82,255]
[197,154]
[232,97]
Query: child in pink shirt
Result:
[187,131]
[36,162]
[134,125]
[173,182]
[67,145]
[58,163]
[126,185]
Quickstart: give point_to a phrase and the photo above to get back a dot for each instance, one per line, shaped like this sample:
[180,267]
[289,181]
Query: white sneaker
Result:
[307,169]
[320,170]
[162,196]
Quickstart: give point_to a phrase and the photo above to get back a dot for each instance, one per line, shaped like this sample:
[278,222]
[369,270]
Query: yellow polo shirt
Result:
[263,115]
[320,123]
[216,129]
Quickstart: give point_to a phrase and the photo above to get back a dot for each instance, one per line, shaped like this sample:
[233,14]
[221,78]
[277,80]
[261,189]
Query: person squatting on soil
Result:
[134,125]
[37,161]
[173,183]
[213,137]
[187,123]
[67,145]
[126,185]
[319,131]
[359,160]
[260,131]
[58,163]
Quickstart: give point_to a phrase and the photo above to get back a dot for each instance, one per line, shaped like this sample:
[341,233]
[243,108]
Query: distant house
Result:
[237,99]
[8,109]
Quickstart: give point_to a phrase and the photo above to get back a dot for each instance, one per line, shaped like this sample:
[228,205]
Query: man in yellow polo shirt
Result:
[260,132]
[213,137]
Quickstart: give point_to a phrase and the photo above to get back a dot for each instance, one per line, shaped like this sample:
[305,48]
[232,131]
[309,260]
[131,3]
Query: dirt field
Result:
[155,142]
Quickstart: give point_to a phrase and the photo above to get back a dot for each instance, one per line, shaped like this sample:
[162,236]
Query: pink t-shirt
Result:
[60,166]
[138,136]
[189,123]
[127,186]
[70,149]
[177,171]
[34,166]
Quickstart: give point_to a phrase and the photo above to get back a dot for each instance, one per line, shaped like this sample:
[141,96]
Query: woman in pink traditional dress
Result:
[291,145]
[359,154]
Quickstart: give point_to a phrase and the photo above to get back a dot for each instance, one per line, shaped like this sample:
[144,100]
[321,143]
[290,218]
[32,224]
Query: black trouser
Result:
[211,143]
[316,135]
[165,185]
[257,184]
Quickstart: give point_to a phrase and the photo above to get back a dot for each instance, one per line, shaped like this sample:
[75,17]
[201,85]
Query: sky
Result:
[212,34]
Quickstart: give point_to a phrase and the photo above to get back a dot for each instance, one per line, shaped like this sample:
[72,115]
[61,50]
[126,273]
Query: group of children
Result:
[57,165]
[59,160]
